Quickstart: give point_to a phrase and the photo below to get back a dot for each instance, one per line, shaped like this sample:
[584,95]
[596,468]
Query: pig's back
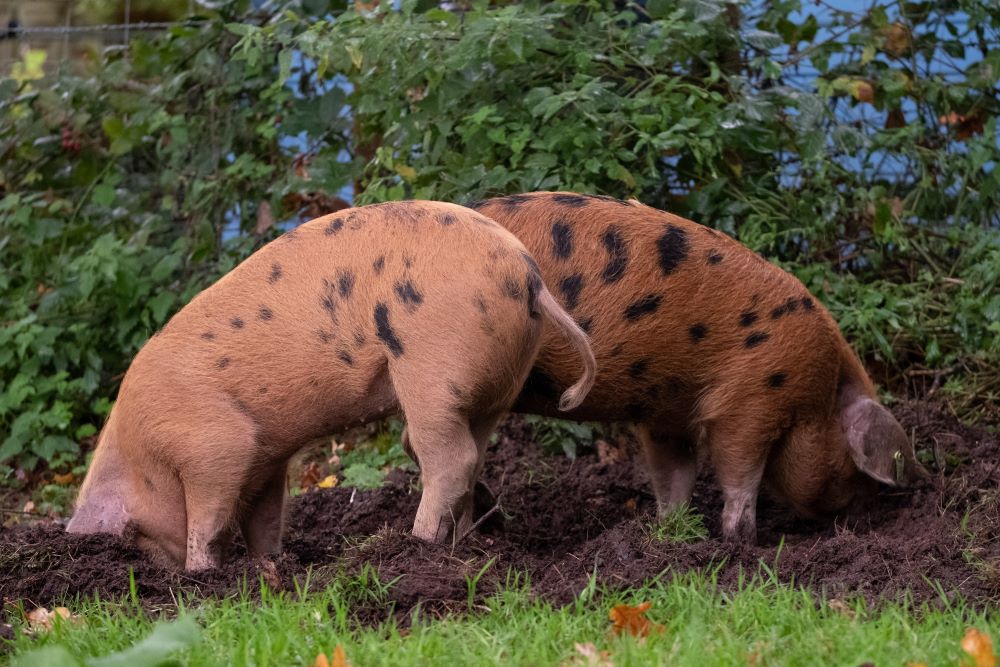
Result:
[674,309]
[301,333]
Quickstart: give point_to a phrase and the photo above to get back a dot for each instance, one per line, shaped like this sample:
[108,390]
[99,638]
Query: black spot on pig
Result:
[265,313]
[755,339]
[333,226]
[789,306]
[586,323]
[408,294]
[236,323]
[776,380]
[747,318]
[275,274]
[638,368]
[512,289]
[324,336]
[481,304]
[698,332]
[616,350]
[562,240]
[385,332]
[532,264]
[534,282]
[378,265]
[647,305]
[807,304]
[346,357]
[570,288]
[359,337]
[345,283]
[513,202]
[476,205]
[714,257]
[673,248]
[446,219]
[610,200]
[222,363]
[614,243]
[573,201]
[207,335]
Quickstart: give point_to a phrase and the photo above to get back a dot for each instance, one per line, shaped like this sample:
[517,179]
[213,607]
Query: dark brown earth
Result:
[564,520]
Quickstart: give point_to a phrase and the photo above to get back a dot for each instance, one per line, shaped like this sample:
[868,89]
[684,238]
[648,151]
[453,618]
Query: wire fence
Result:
[65,32]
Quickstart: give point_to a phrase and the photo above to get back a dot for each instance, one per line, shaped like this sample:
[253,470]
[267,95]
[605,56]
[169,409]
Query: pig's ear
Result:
[878,444]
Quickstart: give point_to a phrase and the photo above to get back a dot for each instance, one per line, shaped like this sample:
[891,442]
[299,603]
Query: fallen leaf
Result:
[841,607]
[41,619]
[310,476]
[589,656]
[327,482]
[630,504]
[632,620]
[28,507]
[338,659]
[64,480]
[980,647]
[916,664]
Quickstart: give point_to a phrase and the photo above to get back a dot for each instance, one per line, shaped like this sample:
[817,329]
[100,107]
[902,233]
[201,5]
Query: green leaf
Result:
[166,639]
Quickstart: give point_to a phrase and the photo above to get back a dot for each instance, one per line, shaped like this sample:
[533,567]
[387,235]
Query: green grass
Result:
[684,525]
[762,623]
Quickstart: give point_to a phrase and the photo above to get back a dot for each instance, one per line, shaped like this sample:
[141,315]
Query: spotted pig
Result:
[708,348]
[423,306]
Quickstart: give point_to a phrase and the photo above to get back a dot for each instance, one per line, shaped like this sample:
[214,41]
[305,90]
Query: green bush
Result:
[119,180]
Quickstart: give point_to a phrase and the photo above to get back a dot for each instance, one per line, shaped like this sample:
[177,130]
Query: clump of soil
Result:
[558,521]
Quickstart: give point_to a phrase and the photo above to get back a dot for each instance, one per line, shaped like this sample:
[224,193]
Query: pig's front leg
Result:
[263,521]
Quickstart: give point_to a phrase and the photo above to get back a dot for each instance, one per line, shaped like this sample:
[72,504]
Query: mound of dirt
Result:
[558,521]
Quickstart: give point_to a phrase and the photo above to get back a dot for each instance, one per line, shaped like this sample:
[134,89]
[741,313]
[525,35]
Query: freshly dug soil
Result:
[560,521]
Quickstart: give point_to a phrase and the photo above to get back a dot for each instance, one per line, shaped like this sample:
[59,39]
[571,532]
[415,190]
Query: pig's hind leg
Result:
[672,464]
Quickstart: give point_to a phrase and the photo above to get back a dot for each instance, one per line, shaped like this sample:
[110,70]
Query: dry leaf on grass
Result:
[632,620]
[980,647]
[327,482]
[310,476]
[589,656]
[41,619]
[339,659]
[841,607]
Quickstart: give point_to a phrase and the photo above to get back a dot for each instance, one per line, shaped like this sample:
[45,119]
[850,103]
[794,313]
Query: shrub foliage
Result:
[859,150]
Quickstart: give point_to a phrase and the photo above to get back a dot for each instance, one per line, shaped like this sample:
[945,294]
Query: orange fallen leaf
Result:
[310,476]
[589,656]
[339,659]
[41,619]
[979,645]
[64,480]
[632,620]
[327,482]
[916,664]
